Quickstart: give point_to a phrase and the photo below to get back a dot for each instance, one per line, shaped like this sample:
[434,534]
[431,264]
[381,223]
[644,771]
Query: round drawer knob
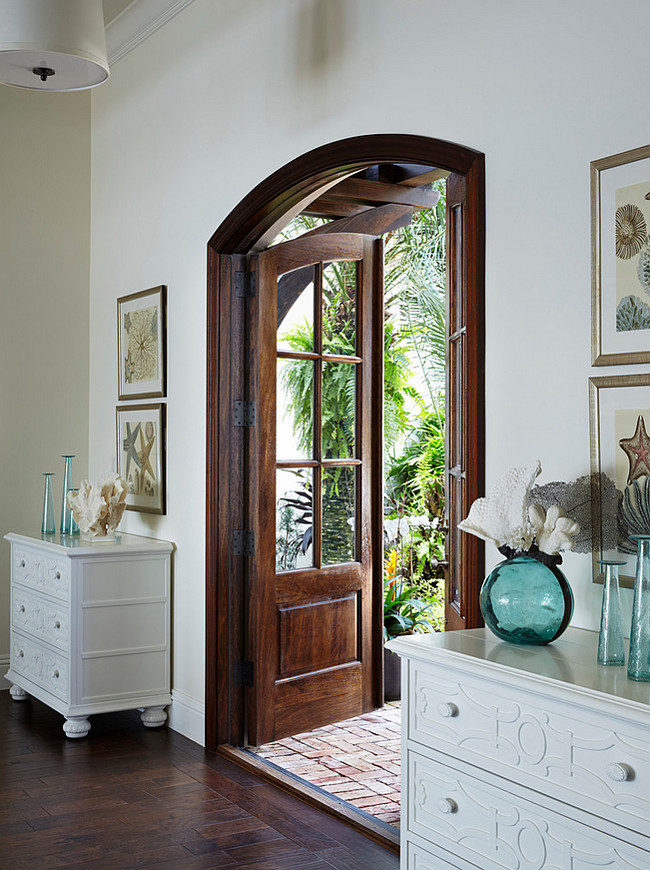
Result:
[620,772]
[56,674]
[22,563]
[58,575]
[448,710]
[22,653]
[447,805]
[57,624]
[22,608]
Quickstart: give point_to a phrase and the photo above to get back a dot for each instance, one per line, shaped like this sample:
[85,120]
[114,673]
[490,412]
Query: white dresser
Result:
[90,625]
[519,757]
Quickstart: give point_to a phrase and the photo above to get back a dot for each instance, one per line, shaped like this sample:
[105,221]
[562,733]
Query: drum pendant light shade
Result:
[52,45]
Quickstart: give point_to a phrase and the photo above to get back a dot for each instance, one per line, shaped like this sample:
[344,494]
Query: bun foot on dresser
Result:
[76,726]
[153,717]
[18,694]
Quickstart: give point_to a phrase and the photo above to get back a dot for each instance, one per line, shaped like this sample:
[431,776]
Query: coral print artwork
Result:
[141,344]
[140,447]
[632,242]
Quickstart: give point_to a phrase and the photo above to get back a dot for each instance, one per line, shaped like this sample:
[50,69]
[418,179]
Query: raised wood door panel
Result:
[465,400]
[311,631]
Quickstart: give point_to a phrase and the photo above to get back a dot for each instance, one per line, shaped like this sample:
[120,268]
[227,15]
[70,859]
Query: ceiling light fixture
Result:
[52,45]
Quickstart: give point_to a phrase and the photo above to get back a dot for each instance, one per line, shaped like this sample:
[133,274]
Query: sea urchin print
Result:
[630,231]
[632,313]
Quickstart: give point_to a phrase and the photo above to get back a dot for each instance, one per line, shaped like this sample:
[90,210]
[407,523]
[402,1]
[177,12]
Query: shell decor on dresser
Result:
[526,599]
[98,507]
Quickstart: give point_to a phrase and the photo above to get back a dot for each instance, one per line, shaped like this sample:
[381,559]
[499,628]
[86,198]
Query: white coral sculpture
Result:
[98,507]
[553,530]
[501,517]
[505,519]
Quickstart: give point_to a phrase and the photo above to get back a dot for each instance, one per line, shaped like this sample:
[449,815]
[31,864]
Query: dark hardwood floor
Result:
[127,797]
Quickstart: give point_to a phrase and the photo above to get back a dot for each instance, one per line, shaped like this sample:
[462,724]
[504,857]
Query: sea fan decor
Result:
[98,507]
[506,519]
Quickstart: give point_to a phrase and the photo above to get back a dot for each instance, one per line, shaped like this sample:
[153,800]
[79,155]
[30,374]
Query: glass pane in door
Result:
[295,409]
[339,410]
[296,310]
[294,517]
[340,308]
[339,515]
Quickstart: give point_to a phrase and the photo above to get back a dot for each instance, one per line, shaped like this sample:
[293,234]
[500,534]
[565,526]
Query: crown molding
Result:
[137,22]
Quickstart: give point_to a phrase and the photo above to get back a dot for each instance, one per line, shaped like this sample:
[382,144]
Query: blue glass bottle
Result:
[48,526]
[638,664]
[66,513]
[525,601]
[611,649]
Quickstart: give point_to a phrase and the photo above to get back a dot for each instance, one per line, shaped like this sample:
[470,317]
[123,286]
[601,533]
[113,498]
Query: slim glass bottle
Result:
[611,650]
[48,526]
[638,665]
[66,513]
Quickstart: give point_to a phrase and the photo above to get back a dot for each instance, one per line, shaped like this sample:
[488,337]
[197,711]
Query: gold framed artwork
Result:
[141,456]
[141,344]
[619,416]
[620,234]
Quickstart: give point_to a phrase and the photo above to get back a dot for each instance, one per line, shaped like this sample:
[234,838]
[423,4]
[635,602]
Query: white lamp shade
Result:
[66,36]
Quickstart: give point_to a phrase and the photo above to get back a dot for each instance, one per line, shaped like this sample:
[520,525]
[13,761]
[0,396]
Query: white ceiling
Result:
[112,8]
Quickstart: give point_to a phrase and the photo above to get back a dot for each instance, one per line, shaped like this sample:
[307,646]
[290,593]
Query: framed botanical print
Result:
[620,229]
[620,463]
[141,456]
[141,344]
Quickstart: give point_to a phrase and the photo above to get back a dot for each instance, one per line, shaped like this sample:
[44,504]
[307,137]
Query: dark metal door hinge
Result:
[244,413]
[243,542]
[245,284]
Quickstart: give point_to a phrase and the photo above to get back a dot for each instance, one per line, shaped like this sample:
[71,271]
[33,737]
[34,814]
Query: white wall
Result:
[227,92]
[44,286]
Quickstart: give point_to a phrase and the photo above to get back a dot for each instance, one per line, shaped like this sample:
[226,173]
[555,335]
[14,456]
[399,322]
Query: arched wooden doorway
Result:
[250,227]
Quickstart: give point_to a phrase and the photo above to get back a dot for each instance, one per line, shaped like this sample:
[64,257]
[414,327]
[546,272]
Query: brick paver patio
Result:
[357,760]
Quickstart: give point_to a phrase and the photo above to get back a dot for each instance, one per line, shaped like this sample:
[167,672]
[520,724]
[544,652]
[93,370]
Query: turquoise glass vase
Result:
[611,649]
[638,663]
[526,601]
[66,513]
[48,526]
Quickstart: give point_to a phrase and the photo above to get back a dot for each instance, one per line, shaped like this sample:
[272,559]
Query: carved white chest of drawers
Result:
[521,758]
[90,626]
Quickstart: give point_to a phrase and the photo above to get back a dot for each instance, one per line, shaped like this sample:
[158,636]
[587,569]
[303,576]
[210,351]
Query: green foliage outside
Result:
[414,439]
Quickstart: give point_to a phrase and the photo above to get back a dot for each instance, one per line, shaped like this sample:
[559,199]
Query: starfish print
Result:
[637,450]
[145,450]
[128,446]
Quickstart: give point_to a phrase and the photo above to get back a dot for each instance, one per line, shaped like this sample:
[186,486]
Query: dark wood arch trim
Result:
[249,227]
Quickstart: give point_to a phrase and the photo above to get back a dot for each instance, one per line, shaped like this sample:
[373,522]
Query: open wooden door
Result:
[314,628]
[465,405]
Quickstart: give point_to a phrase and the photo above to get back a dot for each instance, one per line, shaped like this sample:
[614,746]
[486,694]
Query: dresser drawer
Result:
[42,617]
[43,666]
[578,755]
[38,570]
[488,827]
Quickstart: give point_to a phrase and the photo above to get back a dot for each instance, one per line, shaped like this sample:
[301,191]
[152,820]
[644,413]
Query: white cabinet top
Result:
[74,546]
[569,663]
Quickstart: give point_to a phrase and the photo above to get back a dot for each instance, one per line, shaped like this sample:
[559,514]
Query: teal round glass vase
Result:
[526,601]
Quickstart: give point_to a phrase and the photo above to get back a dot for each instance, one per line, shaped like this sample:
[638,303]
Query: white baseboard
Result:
[187,716]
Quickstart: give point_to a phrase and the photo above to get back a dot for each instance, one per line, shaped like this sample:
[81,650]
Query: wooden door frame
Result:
[248,228]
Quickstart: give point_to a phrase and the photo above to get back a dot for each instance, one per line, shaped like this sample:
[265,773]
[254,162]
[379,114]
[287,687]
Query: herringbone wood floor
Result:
[127,797]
